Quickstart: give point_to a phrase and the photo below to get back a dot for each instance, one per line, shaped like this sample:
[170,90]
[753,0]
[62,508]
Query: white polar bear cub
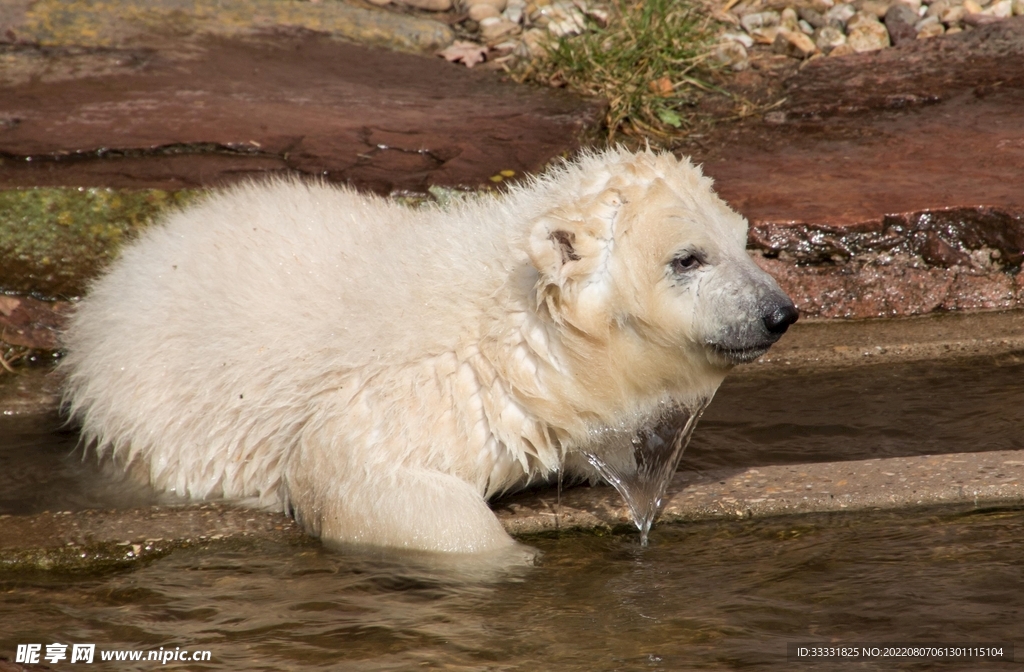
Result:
[380,371]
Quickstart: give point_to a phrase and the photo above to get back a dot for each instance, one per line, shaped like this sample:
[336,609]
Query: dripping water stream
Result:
[641,472]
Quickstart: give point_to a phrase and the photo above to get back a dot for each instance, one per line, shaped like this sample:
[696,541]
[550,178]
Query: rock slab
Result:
[218,110]
[918,149]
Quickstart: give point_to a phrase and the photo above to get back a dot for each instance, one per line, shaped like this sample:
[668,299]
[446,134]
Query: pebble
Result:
[793,43]
[744,39]
[789,20]
[1002,9]
[732,54]
[495,29]
[837,28]
[931,30]
[812,17]
[756,21]
[828,38]
[796,28]
[868,36]
[841,13]
[899,21]
[878,8]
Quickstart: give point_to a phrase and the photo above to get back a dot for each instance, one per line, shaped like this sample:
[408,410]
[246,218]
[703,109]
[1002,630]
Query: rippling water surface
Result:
[704,596]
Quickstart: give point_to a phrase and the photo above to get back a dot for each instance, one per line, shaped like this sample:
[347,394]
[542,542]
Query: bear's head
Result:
[645,272]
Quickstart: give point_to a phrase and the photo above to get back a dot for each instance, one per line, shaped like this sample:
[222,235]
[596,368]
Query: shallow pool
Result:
[701,596]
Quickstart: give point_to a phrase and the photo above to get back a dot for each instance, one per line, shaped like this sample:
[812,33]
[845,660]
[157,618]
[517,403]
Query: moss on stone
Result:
[54,240]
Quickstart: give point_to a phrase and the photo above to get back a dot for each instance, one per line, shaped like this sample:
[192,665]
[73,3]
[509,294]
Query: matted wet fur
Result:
[380,371]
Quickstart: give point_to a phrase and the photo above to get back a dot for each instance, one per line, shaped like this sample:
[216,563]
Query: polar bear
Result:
[379,372]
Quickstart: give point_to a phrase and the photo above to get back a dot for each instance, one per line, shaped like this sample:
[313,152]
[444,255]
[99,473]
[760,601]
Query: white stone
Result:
[732,55]
[561,19]
[931,30]
[843,13]
[972,7]
[1001,9]
[1018,7]
[828,38]
[742,38]
[868,36]
[805,28]
[514,11]
[926,21]
[752,22]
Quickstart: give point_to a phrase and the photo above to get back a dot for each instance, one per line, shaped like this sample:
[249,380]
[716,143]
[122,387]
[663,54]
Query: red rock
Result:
[223,110]
[914,151]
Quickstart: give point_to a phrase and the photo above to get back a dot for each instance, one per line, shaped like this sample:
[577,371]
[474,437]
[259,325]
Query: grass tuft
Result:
[647,62]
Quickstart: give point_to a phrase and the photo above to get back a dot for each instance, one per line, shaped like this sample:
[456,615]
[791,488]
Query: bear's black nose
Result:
[777,321]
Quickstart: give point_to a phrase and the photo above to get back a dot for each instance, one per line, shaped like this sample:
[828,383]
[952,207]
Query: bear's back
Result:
[203,349]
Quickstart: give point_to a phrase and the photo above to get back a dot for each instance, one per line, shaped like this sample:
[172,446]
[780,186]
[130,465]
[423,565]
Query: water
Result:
[862,413]
[41,469]
[640,464]
[719,596]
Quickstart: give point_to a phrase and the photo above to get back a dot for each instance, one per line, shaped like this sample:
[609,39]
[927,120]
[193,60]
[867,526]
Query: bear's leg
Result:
[411,508]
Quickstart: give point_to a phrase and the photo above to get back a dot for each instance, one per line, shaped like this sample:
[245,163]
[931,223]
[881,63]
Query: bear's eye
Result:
[686,262]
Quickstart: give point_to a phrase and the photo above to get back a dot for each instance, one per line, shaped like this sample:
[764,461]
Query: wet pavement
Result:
[965,479]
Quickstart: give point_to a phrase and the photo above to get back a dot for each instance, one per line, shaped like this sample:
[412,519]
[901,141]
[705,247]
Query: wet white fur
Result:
[379,370]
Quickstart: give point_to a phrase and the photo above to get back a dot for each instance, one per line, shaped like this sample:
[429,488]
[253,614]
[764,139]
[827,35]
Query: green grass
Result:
[647,63]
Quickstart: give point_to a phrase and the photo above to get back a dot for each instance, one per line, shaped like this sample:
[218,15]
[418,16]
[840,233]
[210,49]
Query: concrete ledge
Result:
[974,479]
[97,540]
[91,540]
[817,344]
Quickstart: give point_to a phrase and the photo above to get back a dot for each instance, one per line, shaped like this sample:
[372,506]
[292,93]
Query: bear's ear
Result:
[573,242]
